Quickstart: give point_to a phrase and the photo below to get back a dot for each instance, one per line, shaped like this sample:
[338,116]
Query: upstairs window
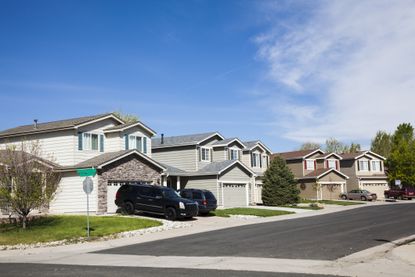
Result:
[256,160]
[376,166]
[204,154]
[233,154]
[136,142]
[90,141]
[309,165]
[363,165]
[332,163]
[266,160]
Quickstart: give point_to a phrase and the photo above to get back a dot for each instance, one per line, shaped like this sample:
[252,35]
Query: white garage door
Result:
[112,188]
[379,188]
[234,195]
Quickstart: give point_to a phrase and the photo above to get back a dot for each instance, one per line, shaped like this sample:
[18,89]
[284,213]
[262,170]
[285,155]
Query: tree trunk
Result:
[24,220]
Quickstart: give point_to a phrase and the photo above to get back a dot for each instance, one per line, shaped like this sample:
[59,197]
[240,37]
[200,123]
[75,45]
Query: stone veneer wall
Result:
[131,168]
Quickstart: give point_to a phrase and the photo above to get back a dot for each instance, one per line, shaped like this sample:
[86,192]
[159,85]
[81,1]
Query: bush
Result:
[279,185]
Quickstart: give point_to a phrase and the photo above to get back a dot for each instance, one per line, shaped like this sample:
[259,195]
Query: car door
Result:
[156,200]
[353,194]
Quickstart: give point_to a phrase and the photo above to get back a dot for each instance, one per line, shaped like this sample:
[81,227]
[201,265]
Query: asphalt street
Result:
[46,270]
[323,237]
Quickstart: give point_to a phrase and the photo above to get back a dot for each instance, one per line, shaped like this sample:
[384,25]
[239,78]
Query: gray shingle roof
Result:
[105,158]
[293,155]
[251,144]
[225,141]
[127,125]
[180,140]
[24,156]
[50,126]
[171,170]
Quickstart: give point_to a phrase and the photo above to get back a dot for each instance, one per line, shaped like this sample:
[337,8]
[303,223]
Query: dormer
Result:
[256,155]
[365,162]
[227,149]
[330,160]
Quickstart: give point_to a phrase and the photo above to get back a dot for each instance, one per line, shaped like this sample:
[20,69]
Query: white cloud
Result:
[348,69]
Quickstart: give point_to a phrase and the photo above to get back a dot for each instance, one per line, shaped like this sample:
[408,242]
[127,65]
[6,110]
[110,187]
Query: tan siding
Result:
[236,173]
[70,196]
[332,177]
[246,159]
[208,182]
[113,142]
[57,146]
[296,168]
[309,191]
[331,192]
[219,154]
[182,158]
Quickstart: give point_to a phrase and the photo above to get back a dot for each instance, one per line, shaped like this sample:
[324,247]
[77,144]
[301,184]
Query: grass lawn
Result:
[334,202]
[249,211]
[53,228]
[304,207]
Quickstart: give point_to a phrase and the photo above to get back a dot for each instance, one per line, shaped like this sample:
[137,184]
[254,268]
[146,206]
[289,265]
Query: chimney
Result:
[35,123]
[162,139]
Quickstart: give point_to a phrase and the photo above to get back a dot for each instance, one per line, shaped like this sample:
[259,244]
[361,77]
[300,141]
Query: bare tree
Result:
[128,118]
[27,182]
[310,146]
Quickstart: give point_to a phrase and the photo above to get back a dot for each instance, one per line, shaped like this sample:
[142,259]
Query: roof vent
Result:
[35,123]
[162,139]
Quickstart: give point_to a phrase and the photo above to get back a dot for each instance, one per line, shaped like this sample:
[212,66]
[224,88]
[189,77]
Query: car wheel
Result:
[128,207]
[363,198]
[170,214]
[344,197]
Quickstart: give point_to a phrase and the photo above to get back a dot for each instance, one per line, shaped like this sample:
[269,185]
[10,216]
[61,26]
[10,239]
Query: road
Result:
[324,237]
[44,270]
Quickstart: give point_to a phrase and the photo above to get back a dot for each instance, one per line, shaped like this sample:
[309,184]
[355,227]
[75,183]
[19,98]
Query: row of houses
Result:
[229,167]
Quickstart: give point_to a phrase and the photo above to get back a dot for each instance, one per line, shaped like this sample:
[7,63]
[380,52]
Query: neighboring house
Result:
[120,152]
[257,157]
[366,170]
[207,161]
[318,174]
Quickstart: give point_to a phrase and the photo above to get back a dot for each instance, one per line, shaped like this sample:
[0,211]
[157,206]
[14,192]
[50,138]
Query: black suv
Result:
[155,199]
[206,200]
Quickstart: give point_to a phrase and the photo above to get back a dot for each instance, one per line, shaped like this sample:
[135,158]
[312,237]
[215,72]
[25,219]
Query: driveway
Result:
[325,237]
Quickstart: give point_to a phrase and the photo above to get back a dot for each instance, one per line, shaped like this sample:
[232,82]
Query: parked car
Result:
[156,200]
[205,198]
[359,194]
[400,193]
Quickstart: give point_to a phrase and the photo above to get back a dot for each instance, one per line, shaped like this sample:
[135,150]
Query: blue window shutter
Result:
[101,143]
[144,145]
[80,140]
[126,141]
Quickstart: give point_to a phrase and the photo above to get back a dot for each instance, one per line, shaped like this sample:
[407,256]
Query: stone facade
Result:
[131,168]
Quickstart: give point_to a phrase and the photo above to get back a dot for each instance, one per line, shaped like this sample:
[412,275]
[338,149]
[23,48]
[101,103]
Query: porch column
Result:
[165,181]
[178,183]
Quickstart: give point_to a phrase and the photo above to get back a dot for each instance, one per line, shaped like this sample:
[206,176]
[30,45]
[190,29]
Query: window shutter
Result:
[101,143]
[305,164]
[144,145]
[315,164]
[199,150]
[252,159]
[229,153]
[327,163]
[337,165]
[358,165]
[210,154]
[126,141]
[260,160]
[80,140]
[380,166]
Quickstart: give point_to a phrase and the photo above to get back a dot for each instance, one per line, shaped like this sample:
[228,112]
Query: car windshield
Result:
[170,193]
[365,191]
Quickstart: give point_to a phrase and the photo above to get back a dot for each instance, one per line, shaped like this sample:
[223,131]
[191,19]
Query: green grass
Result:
[249,211]
[334,202]
[303,207]
[54,228]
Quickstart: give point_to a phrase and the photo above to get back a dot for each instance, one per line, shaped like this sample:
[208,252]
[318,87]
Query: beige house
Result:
[318,174]
[120,152]
[209,161]
[366,170]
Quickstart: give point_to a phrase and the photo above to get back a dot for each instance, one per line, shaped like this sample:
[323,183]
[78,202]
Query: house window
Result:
[266,159]
[205,154]
[139,143]
[256,160]
[234,154]
[376,166]
[363,165]
[90,141]
[332,164]
[310,164]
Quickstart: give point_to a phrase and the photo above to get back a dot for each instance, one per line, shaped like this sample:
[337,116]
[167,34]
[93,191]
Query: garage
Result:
[331,191]
[235,195]
[259,193]
[378,188]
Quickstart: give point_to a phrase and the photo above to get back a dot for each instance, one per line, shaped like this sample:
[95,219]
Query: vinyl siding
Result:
[70,197]
[219,154]
[296,167]
[208,182]
[58,147]
[183,158]
[309,192]
[332,177]
[139,132]
[235,173]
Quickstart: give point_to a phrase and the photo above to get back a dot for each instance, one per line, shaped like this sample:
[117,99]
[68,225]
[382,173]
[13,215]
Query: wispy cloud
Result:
[347,69]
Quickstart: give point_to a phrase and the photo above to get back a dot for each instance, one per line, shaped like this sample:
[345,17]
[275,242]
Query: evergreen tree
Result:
[279,185]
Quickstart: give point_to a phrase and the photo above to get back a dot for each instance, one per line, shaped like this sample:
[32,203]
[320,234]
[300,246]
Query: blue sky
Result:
[280,71]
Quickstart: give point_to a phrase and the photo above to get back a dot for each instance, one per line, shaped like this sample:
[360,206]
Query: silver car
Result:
[359,194]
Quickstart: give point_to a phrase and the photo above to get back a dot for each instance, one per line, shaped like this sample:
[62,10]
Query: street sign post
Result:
[85,172]
[88,185]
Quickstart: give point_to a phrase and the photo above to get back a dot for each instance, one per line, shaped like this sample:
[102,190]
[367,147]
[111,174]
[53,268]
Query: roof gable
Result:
[300,154]
[249,145]
[123,127]
[185,140]
[227,142]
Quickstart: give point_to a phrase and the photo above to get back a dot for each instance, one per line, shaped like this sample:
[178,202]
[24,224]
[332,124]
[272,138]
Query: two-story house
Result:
[366,170]
[120,152]
[318,174]
[209,161]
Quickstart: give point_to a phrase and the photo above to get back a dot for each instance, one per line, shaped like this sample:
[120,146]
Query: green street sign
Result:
[85,172]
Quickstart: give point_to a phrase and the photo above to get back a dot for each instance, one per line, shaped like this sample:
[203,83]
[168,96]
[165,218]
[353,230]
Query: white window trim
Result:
[332,160]
[237,153]
[133,138]
[207,149]
[254,156]
[88,147]
[306,164]
[360,167]
[373,168]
